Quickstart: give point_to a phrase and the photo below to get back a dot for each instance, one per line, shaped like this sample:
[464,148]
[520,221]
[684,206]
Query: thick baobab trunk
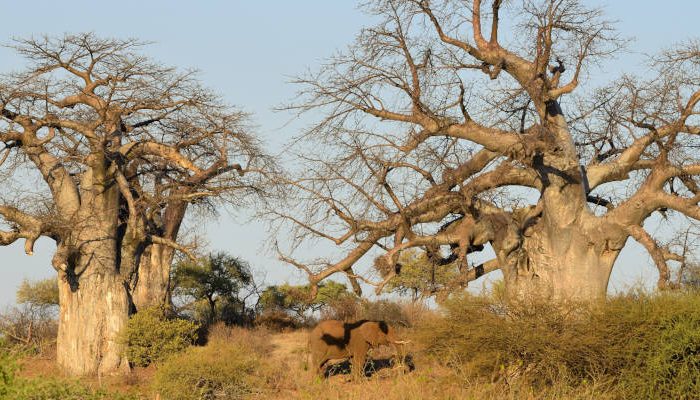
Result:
[153,279]
[565,267]
[94,307]
[153,284]
[93,293]
[572,262]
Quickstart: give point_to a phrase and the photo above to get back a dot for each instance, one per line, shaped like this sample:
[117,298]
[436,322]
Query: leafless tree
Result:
[453,125]
[122,146]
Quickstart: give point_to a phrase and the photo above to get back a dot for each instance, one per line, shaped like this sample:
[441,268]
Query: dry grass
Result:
[631,347]
[430,380]
[282,359]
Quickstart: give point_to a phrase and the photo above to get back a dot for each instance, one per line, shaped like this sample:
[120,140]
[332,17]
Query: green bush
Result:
[638,346]
[221,370]
[8,368]
[151,336]
[662,361]
[16,388]
[40,293]
[58,389]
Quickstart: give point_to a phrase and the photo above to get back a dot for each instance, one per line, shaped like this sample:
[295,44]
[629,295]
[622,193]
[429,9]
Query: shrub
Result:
[16,388]
[384,310]
[151,336]
[221,370]
[255,340]
[33,328]
[663,359]
[8,368]
[278,321]
[54,389]
[352,309]
[638,346]
[343,309]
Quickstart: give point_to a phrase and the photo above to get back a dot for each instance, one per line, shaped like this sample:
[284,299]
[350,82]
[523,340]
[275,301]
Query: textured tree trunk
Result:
[561,268]
[153,280]
[93,293]
[563,263]
[153,284]
[94,307]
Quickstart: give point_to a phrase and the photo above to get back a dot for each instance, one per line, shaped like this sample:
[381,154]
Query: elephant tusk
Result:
[402,341]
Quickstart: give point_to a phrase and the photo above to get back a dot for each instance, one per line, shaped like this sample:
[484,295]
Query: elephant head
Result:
[334,339]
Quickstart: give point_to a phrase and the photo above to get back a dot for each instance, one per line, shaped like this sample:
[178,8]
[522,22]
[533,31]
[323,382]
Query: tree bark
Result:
[153,282]
[152,286]
[90,321]
[93,292]
[563,263]
[94,308]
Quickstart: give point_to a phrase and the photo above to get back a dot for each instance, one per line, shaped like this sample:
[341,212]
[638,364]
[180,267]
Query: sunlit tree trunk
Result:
[153,278]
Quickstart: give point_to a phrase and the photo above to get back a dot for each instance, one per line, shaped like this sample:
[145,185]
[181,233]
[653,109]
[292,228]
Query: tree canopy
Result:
[297,299]
[219,280]
[454,126]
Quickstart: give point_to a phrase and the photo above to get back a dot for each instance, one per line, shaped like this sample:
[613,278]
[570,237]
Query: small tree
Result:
[33,322]
[422,277]
[40,293]
[221,281]
[297,299]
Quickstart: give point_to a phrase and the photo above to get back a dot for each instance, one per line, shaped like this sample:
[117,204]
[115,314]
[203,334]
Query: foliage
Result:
[214,287]
[224,369]
[13,387]
[645,346]
[296,299]
[32,324]
[420,278]
[278,320]
[353,309]
[43,292]
[151,336]
[384,310]
[8,368]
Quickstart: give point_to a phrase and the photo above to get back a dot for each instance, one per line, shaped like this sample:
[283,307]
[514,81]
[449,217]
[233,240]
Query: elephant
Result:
[333,339]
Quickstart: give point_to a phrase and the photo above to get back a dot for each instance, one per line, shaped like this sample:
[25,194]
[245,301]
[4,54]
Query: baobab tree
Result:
[454,125]
[121,145]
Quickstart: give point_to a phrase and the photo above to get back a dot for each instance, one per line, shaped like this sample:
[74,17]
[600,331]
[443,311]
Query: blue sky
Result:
[247,51]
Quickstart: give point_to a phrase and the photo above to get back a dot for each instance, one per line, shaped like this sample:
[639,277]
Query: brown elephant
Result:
[334,339]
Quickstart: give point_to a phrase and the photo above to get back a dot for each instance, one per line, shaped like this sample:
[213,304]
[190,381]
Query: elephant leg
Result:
[318,360]
[320,370]
[320,365]
[358,364]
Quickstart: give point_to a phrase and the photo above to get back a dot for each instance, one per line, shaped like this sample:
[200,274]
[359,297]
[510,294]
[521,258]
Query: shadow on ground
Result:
[372,366]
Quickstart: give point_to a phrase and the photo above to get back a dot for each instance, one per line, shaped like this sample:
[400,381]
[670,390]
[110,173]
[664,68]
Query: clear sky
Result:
[247,51]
